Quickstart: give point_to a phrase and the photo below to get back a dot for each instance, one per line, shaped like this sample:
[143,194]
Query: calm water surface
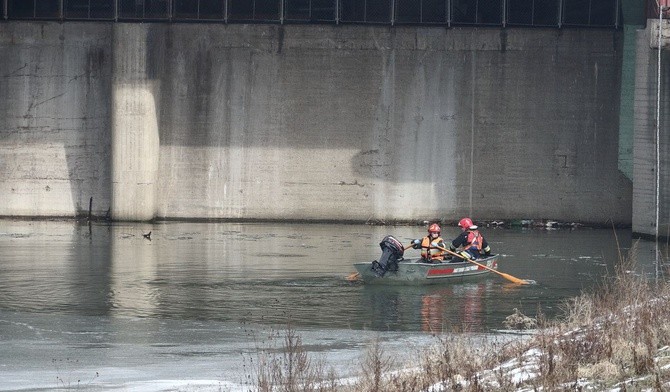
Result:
[186,306]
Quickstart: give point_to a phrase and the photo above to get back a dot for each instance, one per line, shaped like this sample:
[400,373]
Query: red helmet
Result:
[434,228]
[465,223]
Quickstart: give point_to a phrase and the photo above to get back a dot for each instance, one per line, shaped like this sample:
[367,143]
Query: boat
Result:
[392,268]
[413,271]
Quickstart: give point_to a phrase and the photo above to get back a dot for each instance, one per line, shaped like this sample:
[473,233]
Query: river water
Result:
[103,307]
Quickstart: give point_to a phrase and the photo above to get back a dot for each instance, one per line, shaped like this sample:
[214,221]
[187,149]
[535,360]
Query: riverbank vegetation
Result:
[616,337]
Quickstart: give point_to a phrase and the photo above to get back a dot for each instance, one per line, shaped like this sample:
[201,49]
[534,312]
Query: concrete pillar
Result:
[644,191]
[135,139]
[644,152]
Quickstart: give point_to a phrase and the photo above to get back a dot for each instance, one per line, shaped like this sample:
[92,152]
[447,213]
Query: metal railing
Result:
[531,13]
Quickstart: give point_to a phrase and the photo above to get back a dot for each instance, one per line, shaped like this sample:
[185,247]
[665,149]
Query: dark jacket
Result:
[471,241]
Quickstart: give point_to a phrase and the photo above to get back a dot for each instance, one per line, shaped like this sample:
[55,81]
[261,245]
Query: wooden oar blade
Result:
[513,279]
[353,277]
[504,275]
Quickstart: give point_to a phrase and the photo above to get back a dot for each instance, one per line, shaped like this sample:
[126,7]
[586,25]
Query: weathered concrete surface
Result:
[645,147]
[135,141]
[54,118]
[327,122]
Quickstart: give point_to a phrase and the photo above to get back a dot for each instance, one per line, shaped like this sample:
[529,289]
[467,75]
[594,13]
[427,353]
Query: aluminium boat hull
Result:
[414,272]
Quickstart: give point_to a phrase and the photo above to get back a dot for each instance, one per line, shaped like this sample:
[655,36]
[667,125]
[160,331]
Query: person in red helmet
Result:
[471,242]
[430,244]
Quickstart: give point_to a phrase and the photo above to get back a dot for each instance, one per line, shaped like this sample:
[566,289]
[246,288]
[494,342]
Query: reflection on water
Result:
[270,273]
[177,311]
[432,308]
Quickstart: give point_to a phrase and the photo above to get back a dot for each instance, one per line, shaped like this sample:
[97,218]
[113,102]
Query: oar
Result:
[354,276]
[506,276]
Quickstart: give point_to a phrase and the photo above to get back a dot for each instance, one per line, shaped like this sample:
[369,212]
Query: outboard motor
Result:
[392,251]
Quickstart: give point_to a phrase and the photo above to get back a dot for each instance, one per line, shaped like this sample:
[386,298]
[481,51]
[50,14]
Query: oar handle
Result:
[451,252]
[465,258]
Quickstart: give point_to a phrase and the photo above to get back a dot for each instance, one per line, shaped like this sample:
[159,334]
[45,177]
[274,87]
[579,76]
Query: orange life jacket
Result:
[475,240]
[429,250]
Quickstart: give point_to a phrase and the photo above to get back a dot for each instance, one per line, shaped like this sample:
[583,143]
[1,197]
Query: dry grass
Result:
[607,338]
[614,338]
[290,369]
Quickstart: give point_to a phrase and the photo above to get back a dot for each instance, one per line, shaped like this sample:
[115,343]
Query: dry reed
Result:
[615,337]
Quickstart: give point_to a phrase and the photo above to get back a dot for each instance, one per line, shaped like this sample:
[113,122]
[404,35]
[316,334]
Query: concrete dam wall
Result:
[352,123]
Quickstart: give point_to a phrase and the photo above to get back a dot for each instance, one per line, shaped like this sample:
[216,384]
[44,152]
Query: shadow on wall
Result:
[56,117]
[400,105]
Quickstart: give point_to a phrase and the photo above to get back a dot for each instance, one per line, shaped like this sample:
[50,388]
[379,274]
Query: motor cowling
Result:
[392,251]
